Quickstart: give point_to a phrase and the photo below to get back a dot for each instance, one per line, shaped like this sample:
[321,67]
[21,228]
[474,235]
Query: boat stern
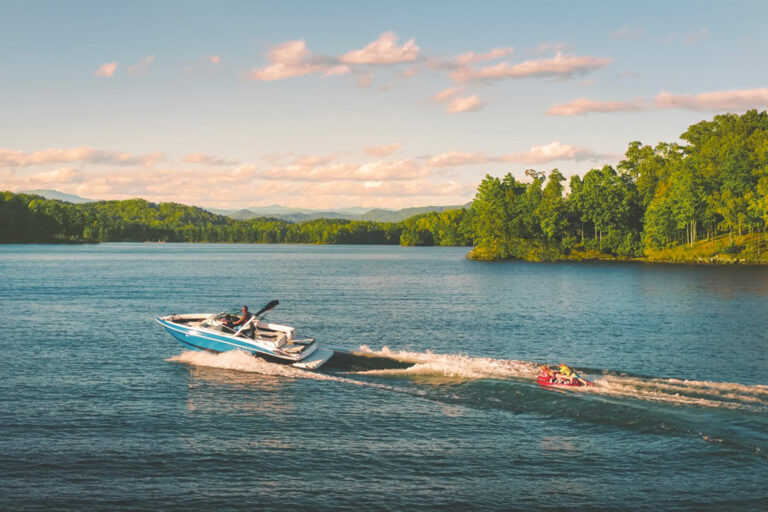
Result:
[315,360]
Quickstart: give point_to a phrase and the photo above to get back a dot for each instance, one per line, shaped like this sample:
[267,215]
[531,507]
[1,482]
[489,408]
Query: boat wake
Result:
[426,367]
[651,405]
[608,383]
[240,361]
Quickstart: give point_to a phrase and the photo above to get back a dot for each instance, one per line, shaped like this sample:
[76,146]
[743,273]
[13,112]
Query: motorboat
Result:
[221,332]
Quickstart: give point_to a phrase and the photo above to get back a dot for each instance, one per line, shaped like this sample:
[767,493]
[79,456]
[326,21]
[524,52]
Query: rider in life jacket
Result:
[565,374]
[547,372]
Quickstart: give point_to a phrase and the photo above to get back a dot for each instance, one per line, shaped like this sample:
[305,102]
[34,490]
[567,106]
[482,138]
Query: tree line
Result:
[715,182]
[29,218]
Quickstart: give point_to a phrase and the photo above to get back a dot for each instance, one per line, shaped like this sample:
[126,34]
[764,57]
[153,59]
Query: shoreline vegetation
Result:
[702,201]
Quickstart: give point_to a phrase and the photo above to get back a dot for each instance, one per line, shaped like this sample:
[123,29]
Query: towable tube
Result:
[544,380]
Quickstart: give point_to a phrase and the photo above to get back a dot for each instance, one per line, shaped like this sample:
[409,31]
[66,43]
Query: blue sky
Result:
[322,105]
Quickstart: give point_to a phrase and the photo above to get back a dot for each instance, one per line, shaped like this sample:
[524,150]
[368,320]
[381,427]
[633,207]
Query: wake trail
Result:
[243,362]
[727,395]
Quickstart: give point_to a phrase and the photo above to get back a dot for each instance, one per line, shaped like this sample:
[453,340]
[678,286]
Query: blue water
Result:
[100,409]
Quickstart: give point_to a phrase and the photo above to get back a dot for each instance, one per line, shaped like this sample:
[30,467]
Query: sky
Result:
[325,105]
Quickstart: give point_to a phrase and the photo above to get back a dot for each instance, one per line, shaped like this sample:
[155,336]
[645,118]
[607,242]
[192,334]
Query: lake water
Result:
[101,409]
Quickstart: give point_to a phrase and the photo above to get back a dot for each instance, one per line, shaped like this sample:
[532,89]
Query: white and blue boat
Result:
[214,332]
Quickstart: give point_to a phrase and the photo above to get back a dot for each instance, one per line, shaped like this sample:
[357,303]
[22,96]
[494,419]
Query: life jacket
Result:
[565,370]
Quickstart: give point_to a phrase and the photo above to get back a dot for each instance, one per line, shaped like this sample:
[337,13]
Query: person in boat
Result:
[567,375]
[243,319]
[548,372]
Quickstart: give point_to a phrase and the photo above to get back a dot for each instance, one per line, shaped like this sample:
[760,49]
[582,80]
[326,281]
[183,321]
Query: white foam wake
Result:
[726,395]
[729,395]
[452,365]
[243,362]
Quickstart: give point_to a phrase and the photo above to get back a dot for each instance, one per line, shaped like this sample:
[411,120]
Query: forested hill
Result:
[712,187]
[702,199]
[26,218]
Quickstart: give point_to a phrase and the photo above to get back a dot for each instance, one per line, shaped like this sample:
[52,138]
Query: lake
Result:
[101,409]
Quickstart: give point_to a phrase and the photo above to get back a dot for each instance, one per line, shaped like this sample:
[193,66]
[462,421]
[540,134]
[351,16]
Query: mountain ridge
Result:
[287,213]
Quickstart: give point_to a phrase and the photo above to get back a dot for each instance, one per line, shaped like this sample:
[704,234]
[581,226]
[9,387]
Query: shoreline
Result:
[578,256]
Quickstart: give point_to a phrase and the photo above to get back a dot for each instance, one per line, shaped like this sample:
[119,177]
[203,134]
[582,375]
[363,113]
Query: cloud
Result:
[471,57]
[467,104]
[288,60]
[695,37]
[60,175]
[384,50]
[142,67]
[214,59]
[583,106]
[551,152]
[560,66]
[396,170]
[447,94]
[382,150]
[458,104]
[626,32]
[536,155]
[292,59]
[200,158]
[551,47]
[337,70]
[688,38]
[11,158]
[715,101]
[313,160]
[457,158]
[106,70]
[365,80]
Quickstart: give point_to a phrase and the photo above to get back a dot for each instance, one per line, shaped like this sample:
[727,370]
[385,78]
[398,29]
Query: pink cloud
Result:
[200,158]
[471,57]
[337,70]
[214,59]
[559,65]
[384,50]
[549,153]
[582,106]
[142,67]
[447,94]
[457,158]
[626,32]
[106,70]
[382,150]
[374,171]
[468,104]
[551,47]
[313,160]
[60,175]
[11,158]
[288,60]
[715,101]
[365,80]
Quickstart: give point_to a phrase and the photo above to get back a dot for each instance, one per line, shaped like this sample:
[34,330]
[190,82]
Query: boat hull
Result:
[193,338]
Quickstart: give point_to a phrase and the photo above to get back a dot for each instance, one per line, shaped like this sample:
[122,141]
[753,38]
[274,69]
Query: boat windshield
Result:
[219,320]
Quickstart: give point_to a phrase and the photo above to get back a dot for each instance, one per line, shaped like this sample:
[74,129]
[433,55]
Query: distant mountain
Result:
[59,196]
[380,215]
[303,215]
[217,211]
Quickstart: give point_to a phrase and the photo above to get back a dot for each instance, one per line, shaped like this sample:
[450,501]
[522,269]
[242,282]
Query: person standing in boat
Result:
[243,319]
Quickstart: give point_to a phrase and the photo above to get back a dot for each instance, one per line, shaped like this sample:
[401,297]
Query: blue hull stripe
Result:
[212,342]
